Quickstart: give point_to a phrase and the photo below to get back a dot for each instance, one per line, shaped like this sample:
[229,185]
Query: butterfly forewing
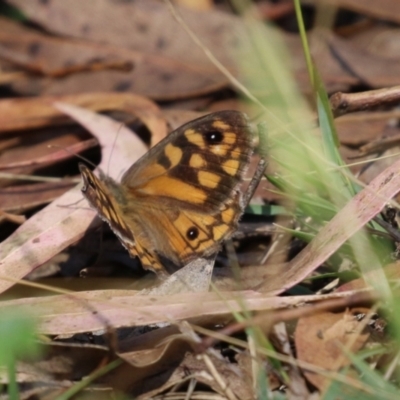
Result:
[199,164]
[103,195]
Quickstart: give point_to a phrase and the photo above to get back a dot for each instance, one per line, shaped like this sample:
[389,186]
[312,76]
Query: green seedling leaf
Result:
[17,340]
[17,337]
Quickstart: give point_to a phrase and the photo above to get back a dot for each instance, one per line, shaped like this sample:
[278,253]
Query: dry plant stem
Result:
[255,364]
[216,375]
[343,103]
[394,232]
[32,178]
[392,367]
[16,219]
[254,229]
[10,77]
[269,319]
[38,69]
[190,390]
[262,165]
[296,382]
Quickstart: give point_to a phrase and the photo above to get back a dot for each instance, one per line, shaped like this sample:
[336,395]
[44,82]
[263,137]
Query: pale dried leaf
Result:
[66,314]
[61,223]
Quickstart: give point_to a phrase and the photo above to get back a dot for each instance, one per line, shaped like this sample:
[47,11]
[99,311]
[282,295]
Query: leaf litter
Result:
[158,350]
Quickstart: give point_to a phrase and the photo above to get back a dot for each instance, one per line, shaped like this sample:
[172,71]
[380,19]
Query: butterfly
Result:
[182,199]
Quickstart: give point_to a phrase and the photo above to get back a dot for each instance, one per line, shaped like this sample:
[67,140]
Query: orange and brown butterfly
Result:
[182,198]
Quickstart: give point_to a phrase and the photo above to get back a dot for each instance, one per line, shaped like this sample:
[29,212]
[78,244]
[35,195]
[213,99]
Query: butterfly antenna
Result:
[112,148]
[72,153]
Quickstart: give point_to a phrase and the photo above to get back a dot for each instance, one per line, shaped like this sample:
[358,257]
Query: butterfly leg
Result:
[258,174]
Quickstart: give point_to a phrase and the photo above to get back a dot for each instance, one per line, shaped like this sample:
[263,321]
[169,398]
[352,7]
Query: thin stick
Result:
[262,164]
[343,103]
[21,177]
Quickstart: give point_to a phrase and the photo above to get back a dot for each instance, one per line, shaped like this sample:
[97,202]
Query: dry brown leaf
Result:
[42,54]
[364,127]
[67,314]
[320,340]
[320,337]
[155,356]
[167,65]
[371,68]
[18,114]
[334,75]
[23,197]
[40,149]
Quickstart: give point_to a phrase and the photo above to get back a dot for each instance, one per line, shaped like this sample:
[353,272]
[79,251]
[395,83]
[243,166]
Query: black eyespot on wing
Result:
[192,233]
[213,137]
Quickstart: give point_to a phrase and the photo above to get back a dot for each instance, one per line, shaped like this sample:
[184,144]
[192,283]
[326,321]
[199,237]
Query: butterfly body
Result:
[182,198]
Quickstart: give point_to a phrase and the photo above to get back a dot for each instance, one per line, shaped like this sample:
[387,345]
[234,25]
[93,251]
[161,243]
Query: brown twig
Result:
[343,103]
[380,145]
